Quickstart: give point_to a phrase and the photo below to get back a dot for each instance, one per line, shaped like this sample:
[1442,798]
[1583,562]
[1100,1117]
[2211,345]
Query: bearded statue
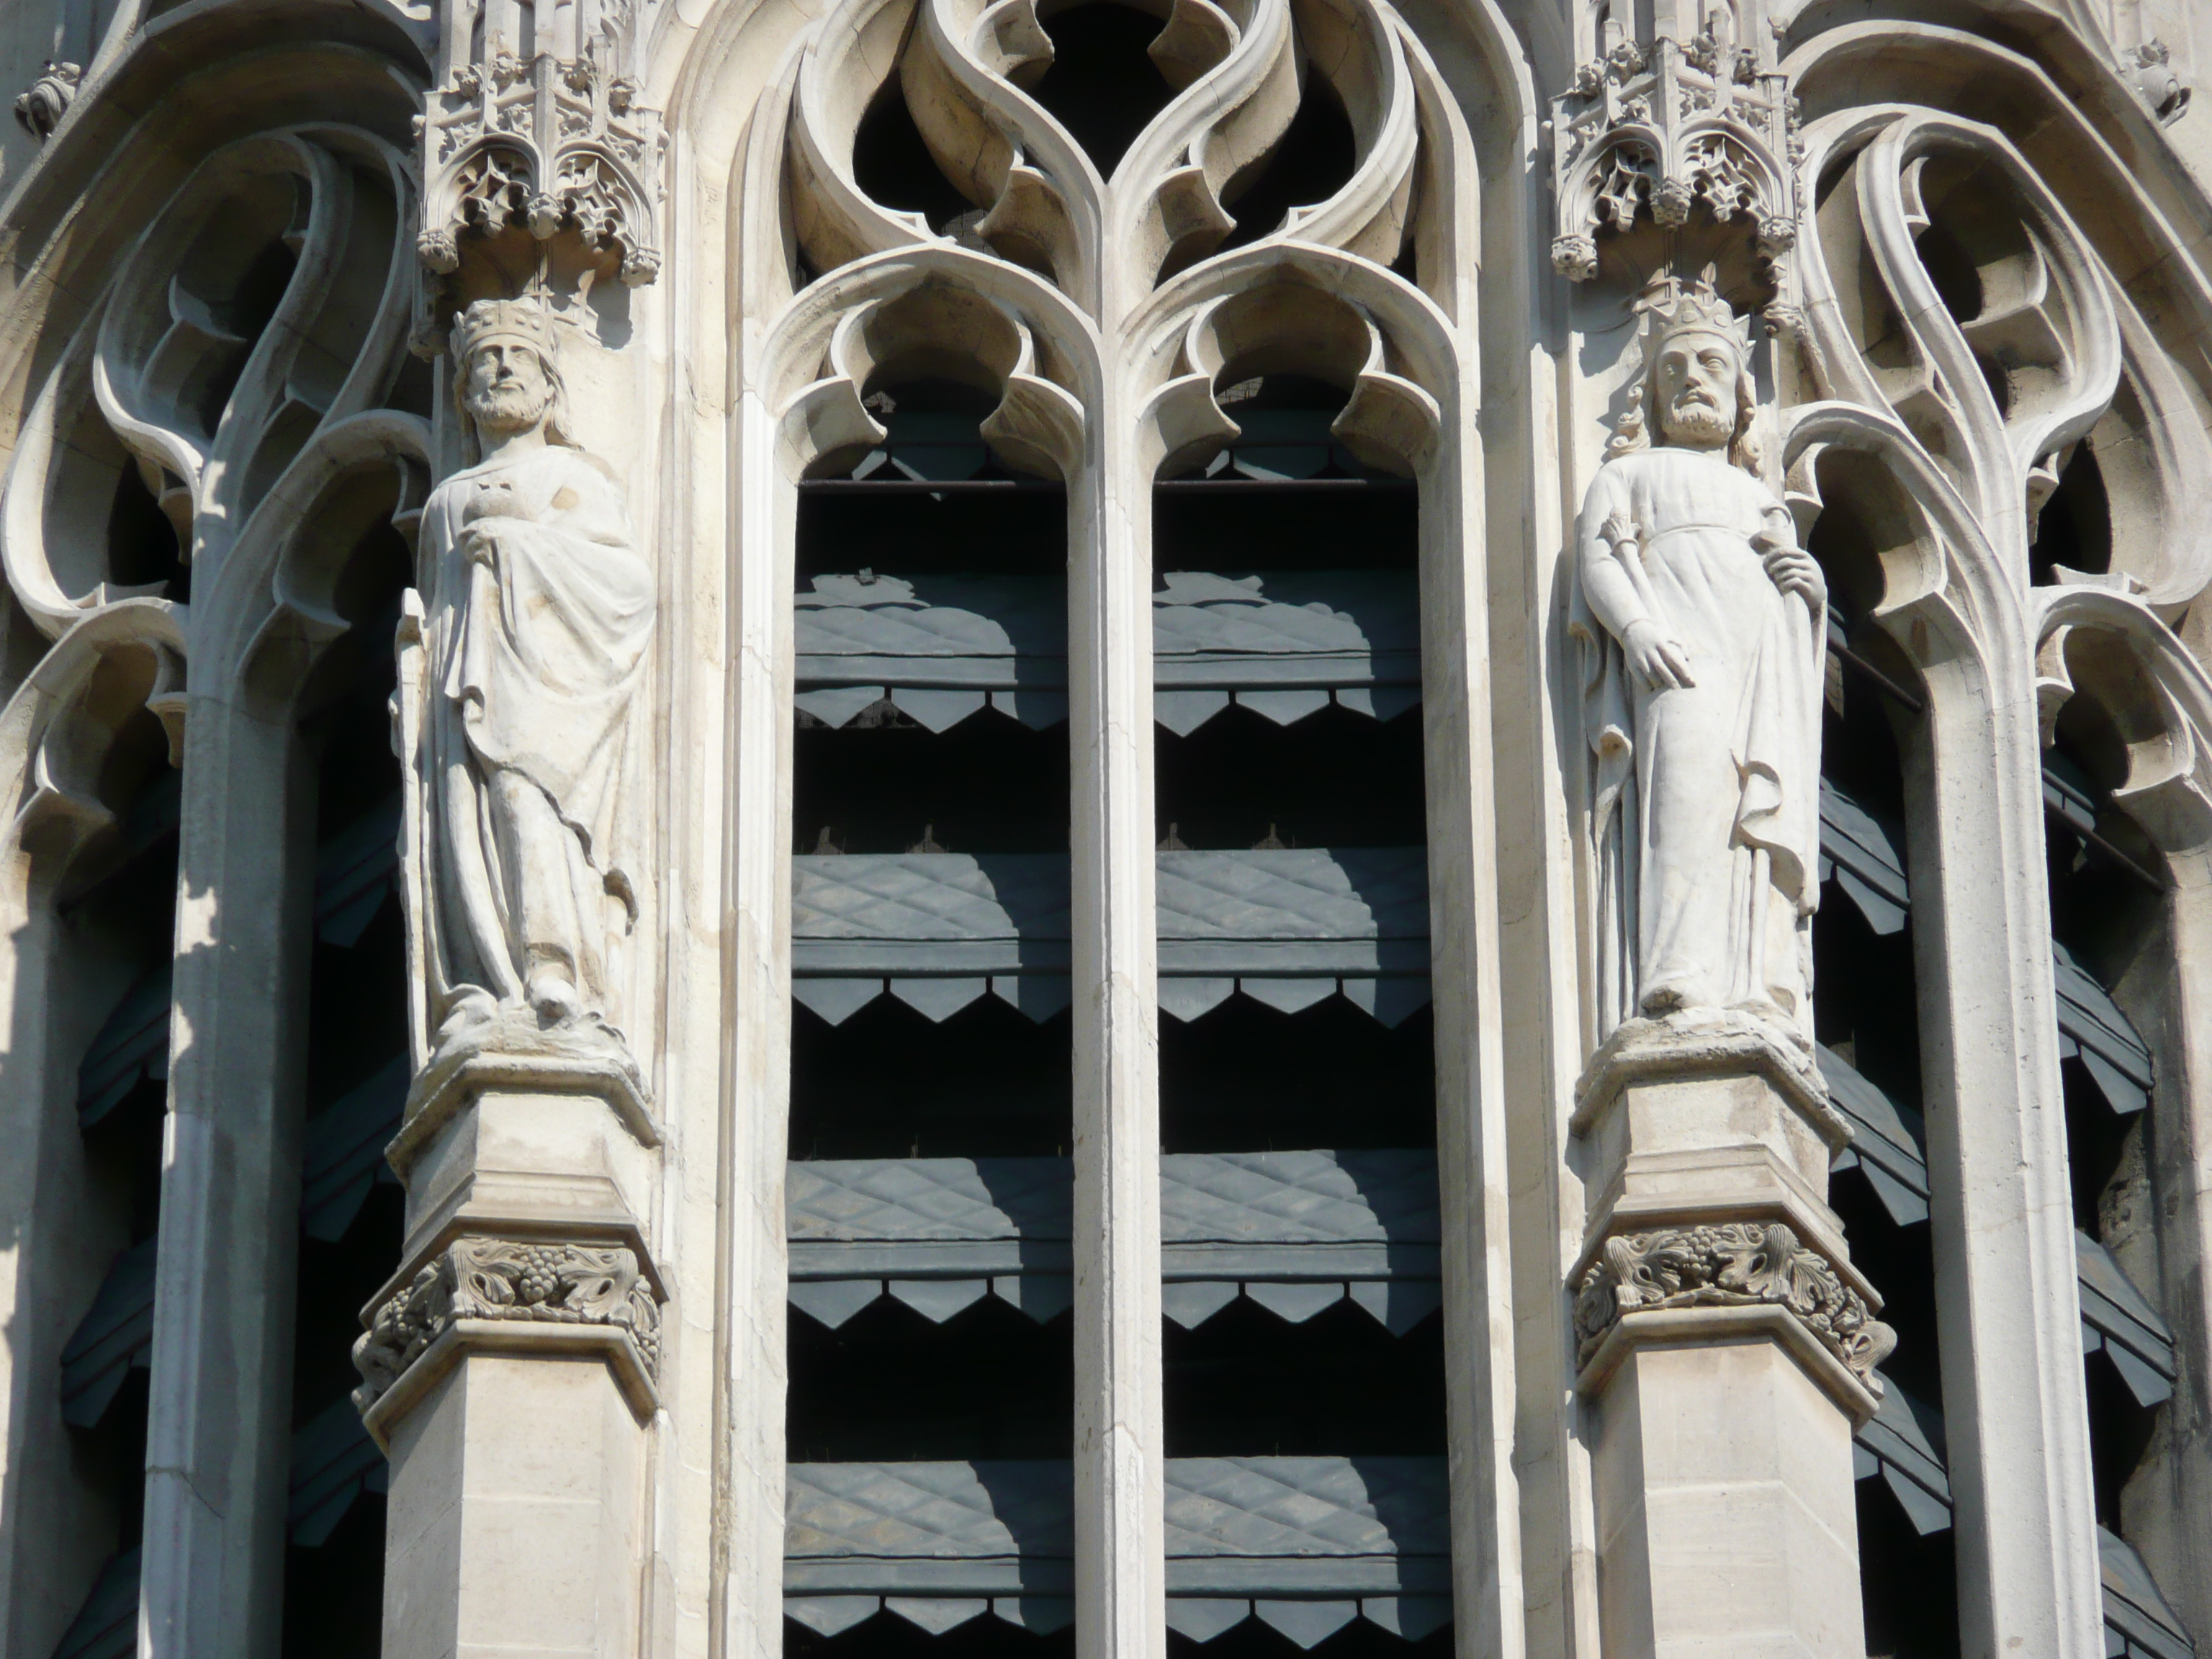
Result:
[522,728]
[1703,625]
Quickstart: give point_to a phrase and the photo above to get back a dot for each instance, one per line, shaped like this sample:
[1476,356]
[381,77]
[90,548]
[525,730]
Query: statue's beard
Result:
[506,408]
[1691,421]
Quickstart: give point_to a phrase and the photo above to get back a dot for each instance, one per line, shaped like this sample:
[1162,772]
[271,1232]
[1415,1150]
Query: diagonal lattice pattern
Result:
[930,895]
[1295,893]
[928,1511]
[937,1198]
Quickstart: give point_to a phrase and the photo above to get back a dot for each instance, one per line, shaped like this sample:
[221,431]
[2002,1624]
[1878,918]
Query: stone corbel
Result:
[1708,1142]
[550,1298]
[1664,1284]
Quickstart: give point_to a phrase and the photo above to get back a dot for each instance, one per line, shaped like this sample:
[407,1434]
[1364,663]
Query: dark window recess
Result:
[1313,160]
[2074,531]
[115,1336]
[892,165]
[358,1063]
[1103,86]
[106,1625]
[1285,436]
[930,1061]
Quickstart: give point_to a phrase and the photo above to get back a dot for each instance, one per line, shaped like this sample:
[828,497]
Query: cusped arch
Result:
[60,731]
[939,312]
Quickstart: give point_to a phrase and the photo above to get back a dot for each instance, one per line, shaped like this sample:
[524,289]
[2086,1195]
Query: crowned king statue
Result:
[537,612]
[1703,625]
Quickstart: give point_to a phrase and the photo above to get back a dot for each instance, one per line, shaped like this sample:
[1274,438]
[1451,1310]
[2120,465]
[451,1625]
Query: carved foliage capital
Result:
[1729,1265]
[501,1278]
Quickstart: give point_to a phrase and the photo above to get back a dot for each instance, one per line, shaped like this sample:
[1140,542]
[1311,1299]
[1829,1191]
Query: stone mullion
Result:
[752,1357]
[1121,1605]
[2008,1306]
[217,1443]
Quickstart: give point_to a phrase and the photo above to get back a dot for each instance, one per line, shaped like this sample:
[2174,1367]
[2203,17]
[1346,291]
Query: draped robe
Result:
[536,648]
[1697,791]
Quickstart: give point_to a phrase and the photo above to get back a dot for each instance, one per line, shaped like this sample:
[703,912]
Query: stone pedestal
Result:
[510,1366]
[1726,1346]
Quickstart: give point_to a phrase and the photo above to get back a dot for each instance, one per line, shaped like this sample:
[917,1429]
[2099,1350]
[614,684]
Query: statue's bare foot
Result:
[553,999]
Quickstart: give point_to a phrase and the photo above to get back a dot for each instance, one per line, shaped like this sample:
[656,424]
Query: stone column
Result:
[510,1366]
[1725,1346]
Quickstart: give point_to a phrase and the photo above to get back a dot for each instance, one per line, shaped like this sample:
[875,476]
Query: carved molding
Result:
[1654,128]
[501,1280]
[1735,1264]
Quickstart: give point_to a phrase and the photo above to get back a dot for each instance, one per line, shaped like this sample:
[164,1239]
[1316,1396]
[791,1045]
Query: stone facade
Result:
[1684,520]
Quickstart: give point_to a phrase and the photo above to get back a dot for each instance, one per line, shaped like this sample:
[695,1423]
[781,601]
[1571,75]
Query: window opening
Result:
[1297,1084]
[116,943]
[930,1190]
[1103,85]
[1866,1020]
[1313,160]
[357,1069]
[892,164]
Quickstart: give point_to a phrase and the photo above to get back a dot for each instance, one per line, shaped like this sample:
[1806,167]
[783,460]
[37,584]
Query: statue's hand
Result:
[479,543]
[1658,656]
[1793,570]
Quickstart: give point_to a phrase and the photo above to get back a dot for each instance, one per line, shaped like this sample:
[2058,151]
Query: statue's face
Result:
[507,389]
[1697,380]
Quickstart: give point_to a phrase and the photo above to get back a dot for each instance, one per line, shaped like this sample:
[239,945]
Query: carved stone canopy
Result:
[1651,129]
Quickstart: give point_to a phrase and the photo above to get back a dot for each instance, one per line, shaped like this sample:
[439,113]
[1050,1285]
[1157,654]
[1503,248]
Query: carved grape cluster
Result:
[507,1278]
[1733,1264]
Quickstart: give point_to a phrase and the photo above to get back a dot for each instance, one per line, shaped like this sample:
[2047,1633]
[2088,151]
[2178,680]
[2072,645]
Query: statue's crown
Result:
[487,320]
[1698,308]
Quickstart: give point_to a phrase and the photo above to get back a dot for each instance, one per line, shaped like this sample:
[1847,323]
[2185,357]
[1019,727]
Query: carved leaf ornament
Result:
[497,1279]
[1734,1264]
[233,378]
[1090,280]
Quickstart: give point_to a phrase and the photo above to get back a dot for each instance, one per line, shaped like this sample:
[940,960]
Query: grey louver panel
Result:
[2092,1028]
[943,647]
[115,1333]
[1284,645]
[1295,1232]
[1287,926]
[1306,1543]
[354,873]
[106,1625]
[1861,854]
[334,1462]
[2119,1320]
[1903,1443]
[1888,1143]
[940,647]
[132,1046]
[344,1154]
[937,929]
[2138,1623]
